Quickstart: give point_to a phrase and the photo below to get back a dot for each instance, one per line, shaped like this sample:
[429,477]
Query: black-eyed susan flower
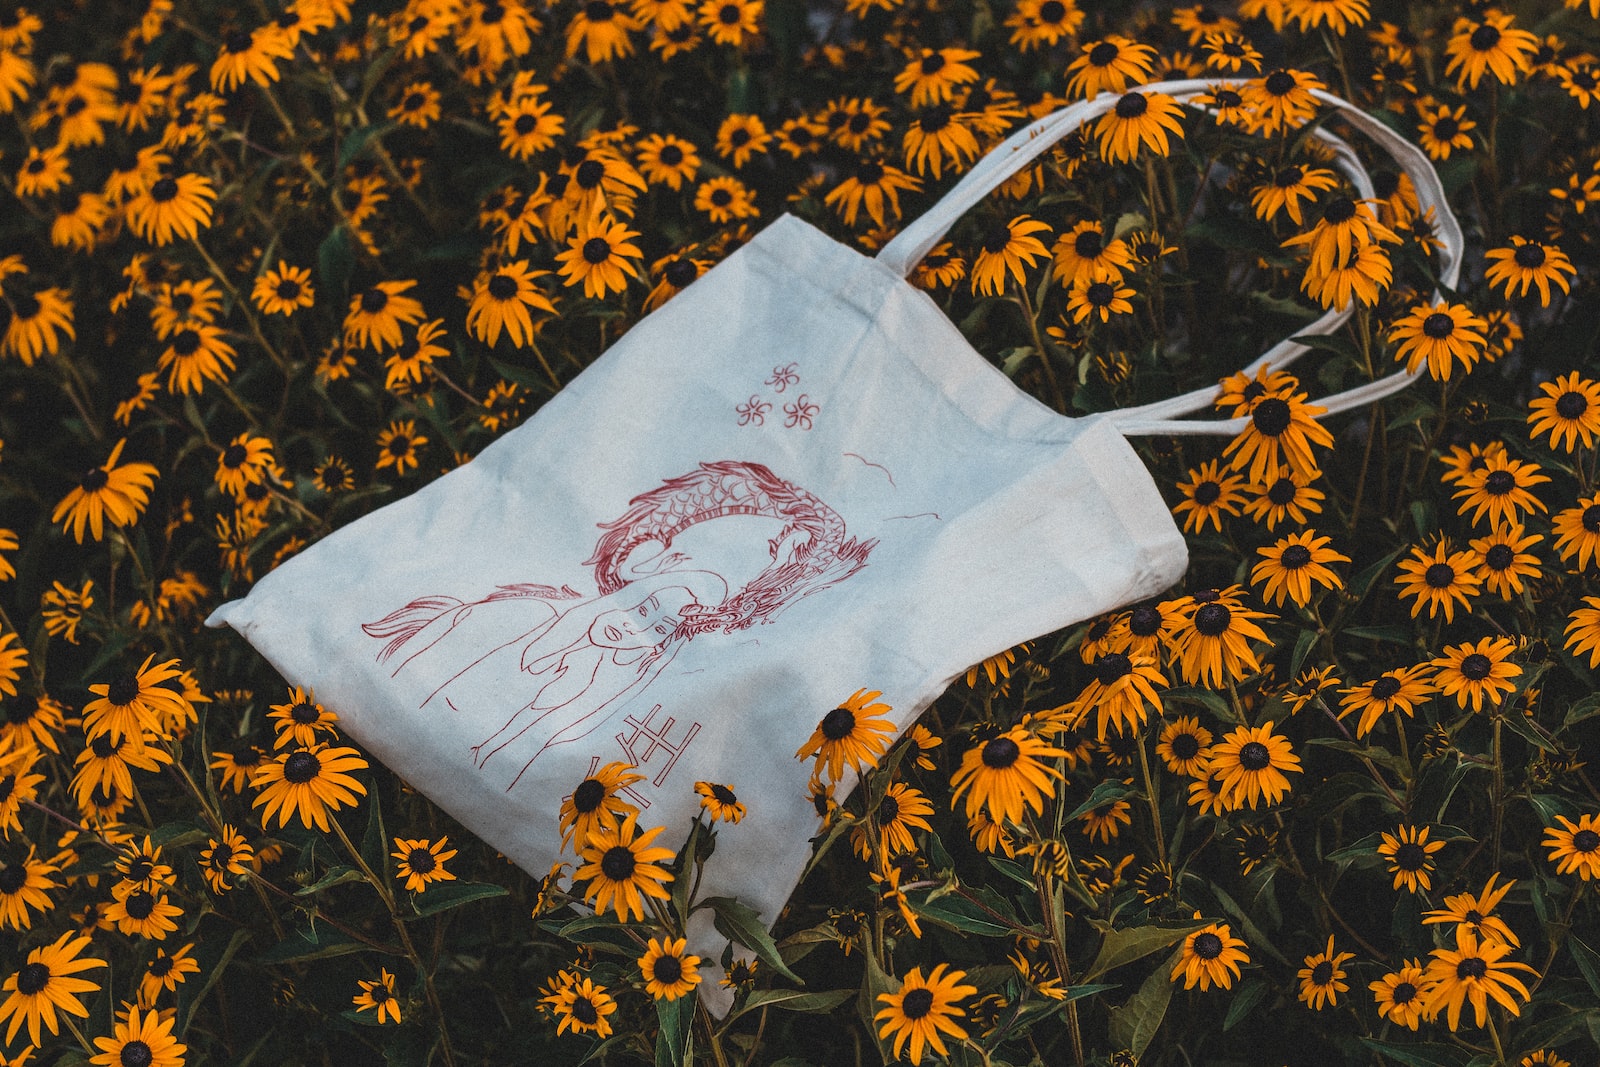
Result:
[1279,438]
[1474,972]
[62,609]
[1004,774]
[1122,693]
[196,353]
[138,704]
[185,303]
[600,255]
[1213,644]
[398,446]
[1501,489]
[1082,254]
[667,159]
[1089,299]
[1138,118]
[1042,23]
[1290,496]
[887,832]
[283,290]
[1252,762]
[1444,129]
[249,55]
[1528,264]
[1293,565]
[502,300]
[1439,580]
[174,206]
[226,858]
[1568,409]
[145,1039]
[725,199]
[923,1010]
[1184,745]
[1211,492]
[1210,957]
[668,969]
[378,312]
[742,137]
[1281,100]
[1288,189]
[932,77]
[1007,249]
[1322,977]
[1229,53]
[854,734]
[1110,64]
[528,125]
[874,185]
[1475,911]
[580,1005]
[1473,671]
[620,868]
[246,461]
[600,31]
[417,105]
[937,136]
[310,781]
[1505,559]
[730,22]
[38,322]
[1577,531]
[1398,995]
[166,973]
[1488,44]
[1398,690]
[378,995]
[112,493]
[1409,854]
[43,171]
[597,803]
[1574,847]
[301,721]
[719,802]
[143,913]
[25,885]
[46,983]
[421,862]
[13,658]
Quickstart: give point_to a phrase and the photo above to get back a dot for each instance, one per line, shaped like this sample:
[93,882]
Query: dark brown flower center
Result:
[588,796]
[1279,83]
[301,767]
[1445,128]
[1051,12]
[161,966]
[305,714]
[1410,857]
[502,287]
[1185,746]
[374,300]
[1585,841]
[589,173]
[1000,753]
[1471,967]
[1440,576]
[123,689]
[1322,973]
[1208,946]
[1294,557]
[1484,38]
[1100,294]
[932,64]
[1476,667]
[917,1003]
[680,272]
[1213,620]
[140,905]
[1438,326]
[838,724]
[1271,416]
[1385,688]
[584,1011]
[1403,993]
[164,190]
[1144,621]
[596,250]
[1254,756]
[724,795]
[667,970]
[1499,482]
[1112,666]
[421,861]
[1132,105]
[1207,493]
[1103,54]
[618,863]
[12,878]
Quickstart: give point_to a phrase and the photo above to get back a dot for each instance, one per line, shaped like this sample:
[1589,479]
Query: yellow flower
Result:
[923,1009]
[379,994]
[1138,118]
[854,733]
[105,494]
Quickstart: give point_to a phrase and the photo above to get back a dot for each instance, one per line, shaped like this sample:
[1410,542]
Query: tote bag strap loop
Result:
[1032,141]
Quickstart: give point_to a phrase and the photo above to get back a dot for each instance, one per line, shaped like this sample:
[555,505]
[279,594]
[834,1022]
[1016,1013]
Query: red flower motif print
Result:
[783,377]
[800,413]
[754,411]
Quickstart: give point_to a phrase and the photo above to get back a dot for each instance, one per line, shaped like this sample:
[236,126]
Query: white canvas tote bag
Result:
[795,480]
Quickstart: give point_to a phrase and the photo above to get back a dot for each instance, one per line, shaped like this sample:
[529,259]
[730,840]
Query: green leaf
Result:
[1583,709]
[1245,998]
[310,944]
[1362,583]
[1133,1025]
[1421,1054]
[213,973]
[793,1000]
[336,259]
[1588,962]
[1014,871]
[739,922]
[334,876]
[1394,635]
[677,1031]
[598,932]
[1104,793]
[354,144]
[374,841]
[1252,933]
[955,912]
[1125,946]
[1328,342]
[446,895]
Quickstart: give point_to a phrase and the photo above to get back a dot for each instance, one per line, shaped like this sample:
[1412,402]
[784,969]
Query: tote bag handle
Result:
[1029,143]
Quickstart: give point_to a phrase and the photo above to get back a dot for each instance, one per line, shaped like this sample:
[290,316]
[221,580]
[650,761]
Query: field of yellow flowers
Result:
[266,267]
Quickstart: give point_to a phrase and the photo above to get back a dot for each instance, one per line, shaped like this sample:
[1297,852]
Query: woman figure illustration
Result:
[575,673]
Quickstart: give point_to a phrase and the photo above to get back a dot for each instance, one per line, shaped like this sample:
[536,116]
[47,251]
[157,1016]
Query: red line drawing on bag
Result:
[754,411]
[657,742]
[800,413]
[717,550]
[918,515]
[869,463]
[783,377]
[594,765]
